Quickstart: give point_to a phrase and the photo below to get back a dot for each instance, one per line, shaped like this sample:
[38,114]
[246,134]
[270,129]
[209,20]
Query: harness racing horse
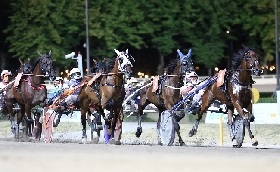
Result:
[107,95]
[25,68]
[236,92]
[167,91]
[29,92]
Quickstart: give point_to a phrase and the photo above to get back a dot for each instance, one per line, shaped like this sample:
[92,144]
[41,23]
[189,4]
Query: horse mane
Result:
[237,58]
[110,65]
[35,62]
[171,66]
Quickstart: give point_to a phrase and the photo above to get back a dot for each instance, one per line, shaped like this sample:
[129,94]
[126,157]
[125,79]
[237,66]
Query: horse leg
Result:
[58,117]
[139,127]
[113,125]
[37,131]
[29,121]
[177,129]
[117,126]
[160,110]
[84,122]
[11,118]
[206,99]
[250,118]
[231,127]
[143,102]
[94,123]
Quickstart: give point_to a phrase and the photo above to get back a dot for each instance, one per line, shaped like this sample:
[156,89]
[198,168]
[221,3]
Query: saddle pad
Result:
[18,77]
[93,79]
[221,77]
[155,84]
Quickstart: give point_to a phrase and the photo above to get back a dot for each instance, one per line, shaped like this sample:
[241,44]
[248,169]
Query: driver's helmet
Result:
[75,73]
[192,77]
[5,75]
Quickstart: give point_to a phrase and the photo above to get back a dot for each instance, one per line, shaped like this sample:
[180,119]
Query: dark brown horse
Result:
[235,93]
[168,91]
[30,92]
[107,96]
[25,68]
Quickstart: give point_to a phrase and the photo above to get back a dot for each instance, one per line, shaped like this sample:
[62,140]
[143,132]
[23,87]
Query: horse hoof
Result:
[255,142]
[95,140]
[118,143]
[84,140]
[48,140]
[183,144]
[138,132]
[191,133]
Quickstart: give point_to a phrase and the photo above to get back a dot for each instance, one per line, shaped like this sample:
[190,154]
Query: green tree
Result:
[259,22]
[116,24]
[210,20]
[43,26]
[162,18]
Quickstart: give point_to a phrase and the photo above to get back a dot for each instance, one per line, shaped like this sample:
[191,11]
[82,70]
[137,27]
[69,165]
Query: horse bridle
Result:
[253,67]
[46,67]
[121,68]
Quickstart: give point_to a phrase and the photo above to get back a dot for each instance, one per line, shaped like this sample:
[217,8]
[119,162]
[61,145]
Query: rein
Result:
[243,69]
[107,74]
[40,87]
[172,87]
[34,75]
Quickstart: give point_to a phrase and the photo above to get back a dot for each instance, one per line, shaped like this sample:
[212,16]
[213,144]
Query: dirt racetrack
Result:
[39,157]
[142,155]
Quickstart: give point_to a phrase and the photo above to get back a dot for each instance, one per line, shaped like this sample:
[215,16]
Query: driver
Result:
[5,77]
[191,84]
[75,80]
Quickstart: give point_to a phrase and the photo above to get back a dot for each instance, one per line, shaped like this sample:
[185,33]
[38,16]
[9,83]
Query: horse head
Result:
[252,58]
[46,65]
[26,68]
[99,67]
[186,62]
[248,59]
[125,63]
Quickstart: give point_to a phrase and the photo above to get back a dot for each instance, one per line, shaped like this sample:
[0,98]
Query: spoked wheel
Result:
[47,122]
[239,132]
[166,129]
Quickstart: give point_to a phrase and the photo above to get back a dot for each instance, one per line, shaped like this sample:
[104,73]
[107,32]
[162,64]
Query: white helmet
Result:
[75,73]
[5,72]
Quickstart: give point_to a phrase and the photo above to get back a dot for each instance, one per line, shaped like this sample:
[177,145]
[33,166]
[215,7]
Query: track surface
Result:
[67,154]
[40,157]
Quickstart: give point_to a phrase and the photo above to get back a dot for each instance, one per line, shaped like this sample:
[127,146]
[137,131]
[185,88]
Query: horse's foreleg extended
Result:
[249,117]
[194,128]
[247,125]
